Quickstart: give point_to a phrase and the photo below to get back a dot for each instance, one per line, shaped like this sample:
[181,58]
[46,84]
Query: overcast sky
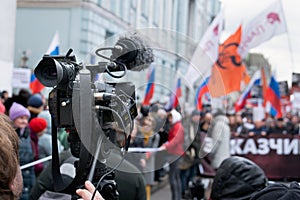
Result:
[282,51]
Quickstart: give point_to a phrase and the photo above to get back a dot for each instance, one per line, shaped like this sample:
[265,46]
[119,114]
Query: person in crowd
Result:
[247,125]
[21,98]
[292,126]
[279,127]
[4,96]
[278,191]
[45,114]
[238,178]
[205,124]
[137,159]
[130,182]
[189,161]
[174,147]
[2,107]
[38,127]
[259,128]
[11,183]
[20,116]
[35,105]
[232,121]
[151,140]
[220,135]
[162,128]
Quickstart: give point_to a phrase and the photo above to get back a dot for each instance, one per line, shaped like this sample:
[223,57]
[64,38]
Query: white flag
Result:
[268,23]
[210,40]
[206,52]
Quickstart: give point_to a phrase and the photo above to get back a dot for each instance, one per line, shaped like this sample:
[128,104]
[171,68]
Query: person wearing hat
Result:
[237,178]
[38,127]
[20,115]
[278,191]
[35,105]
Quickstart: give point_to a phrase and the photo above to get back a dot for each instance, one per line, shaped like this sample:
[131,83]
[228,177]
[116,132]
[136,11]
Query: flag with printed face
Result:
[150,86]
[228,72]
[35,85]
[270,22]
[202,90]
[207,49]
[272,99]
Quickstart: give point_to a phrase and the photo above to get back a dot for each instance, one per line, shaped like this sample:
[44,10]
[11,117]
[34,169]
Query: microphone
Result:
[133,52]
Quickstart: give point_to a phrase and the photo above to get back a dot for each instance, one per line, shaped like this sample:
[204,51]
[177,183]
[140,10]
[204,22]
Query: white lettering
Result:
[291,146]
[263,146]
[235,145]
[276,145]
[250,147]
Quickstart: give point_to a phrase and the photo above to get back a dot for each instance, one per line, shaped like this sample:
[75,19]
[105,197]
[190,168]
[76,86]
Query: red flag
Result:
[228,71]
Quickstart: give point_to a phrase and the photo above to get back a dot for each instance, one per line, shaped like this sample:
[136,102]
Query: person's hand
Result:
[143,163]
[87,193]
[162,148]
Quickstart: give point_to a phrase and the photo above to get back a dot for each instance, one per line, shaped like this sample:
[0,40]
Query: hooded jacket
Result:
[237,179]
[176,135]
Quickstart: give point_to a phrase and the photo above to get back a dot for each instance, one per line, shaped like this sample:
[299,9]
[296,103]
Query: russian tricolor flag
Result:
[272,99]
[201,90]
[150,86]
[54,46]
[241,102]
[35,85]
[178,93]
[174,97]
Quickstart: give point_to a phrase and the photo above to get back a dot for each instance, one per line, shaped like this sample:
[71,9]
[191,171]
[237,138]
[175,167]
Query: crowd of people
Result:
[183,146]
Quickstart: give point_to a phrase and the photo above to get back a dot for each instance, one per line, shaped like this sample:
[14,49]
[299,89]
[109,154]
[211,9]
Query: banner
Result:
[284,89]
[295,82]
[20,78]
[277,154]
[269,23]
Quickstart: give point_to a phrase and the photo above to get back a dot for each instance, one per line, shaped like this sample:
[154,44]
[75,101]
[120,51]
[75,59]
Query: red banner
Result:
[278,155]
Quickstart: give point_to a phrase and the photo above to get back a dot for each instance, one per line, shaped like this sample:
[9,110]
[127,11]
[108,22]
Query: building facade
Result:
[174,27]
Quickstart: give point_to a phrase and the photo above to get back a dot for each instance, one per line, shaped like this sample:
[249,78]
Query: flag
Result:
[207,49]
[272,99]
[246,94]
[54,46]
[270,22]
[228,72]
[35,85]
[178,93]
[210,41]
[150,86]
[201,91]
[174,97]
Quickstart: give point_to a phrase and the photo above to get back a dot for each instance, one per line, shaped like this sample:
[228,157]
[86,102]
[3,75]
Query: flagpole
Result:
[288,38]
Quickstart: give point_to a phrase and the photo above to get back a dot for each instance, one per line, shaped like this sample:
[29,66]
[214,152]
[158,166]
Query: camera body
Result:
[92,111]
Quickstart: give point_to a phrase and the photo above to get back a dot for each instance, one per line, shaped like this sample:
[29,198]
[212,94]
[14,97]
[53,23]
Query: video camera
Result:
[90,111]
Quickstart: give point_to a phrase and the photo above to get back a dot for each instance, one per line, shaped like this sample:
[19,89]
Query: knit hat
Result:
[237,178]
[35,101]
[38,124]
[17,110]
[279,191]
